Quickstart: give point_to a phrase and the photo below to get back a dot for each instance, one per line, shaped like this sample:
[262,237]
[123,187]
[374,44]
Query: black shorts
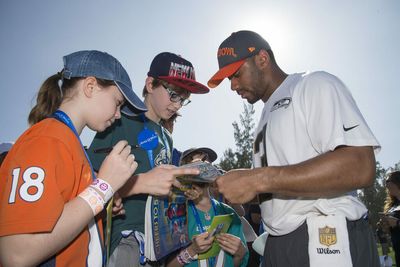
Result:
[292,249]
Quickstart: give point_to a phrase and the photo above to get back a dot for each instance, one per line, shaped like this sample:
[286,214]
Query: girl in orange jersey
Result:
[49,194]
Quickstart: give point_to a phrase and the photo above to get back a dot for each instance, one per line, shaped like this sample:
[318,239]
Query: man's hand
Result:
[238,186]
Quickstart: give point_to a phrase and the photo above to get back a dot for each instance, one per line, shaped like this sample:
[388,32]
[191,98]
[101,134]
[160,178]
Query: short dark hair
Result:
[155,83]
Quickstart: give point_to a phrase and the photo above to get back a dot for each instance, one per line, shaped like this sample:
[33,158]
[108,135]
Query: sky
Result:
[358,41]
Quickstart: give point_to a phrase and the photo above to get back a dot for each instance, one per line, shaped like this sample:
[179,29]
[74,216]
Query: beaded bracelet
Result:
[104,188]
[94,199]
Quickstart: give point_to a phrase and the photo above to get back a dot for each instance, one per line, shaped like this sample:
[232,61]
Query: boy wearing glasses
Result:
[170,81]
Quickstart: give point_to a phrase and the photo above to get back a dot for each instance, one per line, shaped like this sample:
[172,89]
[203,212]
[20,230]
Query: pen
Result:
[109,149]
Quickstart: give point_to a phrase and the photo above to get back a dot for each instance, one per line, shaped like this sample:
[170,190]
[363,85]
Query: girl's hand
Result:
[231,244]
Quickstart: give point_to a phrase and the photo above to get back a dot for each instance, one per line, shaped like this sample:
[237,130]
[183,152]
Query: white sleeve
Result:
[332,116]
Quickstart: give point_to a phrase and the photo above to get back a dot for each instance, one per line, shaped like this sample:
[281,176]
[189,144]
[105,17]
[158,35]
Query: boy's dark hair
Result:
[155,83]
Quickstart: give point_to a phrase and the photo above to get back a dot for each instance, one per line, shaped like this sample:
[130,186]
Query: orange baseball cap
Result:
[233,52]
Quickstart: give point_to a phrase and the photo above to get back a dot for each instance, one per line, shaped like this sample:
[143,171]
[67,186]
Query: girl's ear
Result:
[89,86]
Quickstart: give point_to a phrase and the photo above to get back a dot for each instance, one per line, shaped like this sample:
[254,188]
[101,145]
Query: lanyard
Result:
[211,260]
[62,117]
[149,150]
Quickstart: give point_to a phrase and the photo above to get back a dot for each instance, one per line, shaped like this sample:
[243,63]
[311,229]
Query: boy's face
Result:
[167,99]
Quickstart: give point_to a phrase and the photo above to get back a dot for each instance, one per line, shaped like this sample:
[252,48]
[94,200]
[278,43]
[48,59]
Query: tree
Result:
[374,196]
[244,137]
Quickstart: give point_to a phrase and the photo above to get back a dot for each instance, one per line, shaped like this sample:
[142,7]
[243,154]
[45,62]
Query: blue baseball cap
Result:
[103,66]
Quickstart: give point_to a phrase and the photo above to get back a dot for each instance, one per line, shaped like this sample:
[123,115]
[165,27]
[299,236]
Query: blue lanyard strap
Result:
[196,213]
[63,117]
[211,260]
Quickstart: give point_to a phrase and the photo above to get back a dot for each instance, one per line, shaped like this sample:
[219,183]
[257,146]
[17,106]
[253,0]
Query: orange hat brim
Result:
[224,72]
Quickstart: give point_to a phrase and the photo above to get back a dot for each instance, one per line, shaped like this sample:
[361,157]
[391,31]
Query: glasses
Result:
[174,97]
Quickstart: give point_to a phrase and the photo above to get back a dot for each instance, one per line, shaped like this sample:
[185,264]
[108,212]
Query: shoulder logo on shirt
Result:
[282,103]
[349,128]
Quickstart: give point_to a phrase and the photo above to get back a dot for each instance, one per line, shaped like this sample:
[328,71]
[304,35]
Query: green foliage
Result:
[374,196]
[244,137]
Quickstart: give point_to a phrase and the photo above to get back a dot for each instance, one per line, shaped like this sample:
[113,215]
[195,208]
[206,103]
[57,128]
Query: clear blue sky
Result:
[356,40]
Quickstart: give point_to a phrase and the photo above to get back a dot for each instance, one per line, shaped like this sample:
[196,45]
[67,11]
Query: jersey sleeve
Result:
[36,181]
[332,116]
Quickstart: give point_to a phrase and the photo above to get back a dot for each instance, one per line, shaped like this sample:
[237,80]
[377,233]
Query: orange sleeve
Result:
[34,176]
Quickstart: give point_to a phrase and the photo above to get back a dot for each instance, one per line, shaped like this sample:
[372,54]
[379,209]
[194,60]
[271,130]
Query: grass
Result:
[391,253]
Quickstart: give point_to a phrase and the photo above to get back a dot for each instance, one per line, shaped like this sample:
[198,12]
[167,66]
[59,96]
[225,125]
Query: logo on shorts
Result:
[327,236]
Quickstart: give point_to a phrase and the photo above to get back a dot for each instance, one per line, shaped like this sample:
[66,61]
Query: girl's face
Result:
[165,100]
[106,107]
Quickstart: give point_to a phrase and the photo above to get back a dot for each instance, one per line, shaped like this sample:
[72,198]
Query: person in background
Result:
[391,219]
[201,210]
[383,239]
[49,194]
[168,86]
[312,150]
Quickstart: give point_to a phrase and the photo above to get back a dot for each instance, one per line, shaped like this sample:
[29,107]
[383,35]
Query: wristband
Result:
[184,256]
[180,260]
[104,188]
[93,198]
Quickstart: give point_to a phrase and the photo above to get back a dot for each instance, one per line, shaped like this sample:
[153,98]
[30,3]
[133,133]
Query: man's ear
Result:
[89,86]
[263,59]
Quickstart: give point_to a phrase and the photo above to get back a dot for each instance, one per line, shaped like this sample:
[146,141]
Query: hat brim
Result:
[187,84]
[133,104]
[224,72]
[212,156]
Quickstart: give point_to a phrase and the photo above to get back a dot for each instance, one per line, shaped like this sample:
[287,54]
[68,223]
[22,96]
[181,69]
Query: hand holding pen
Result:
[118,166]
[109,149]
